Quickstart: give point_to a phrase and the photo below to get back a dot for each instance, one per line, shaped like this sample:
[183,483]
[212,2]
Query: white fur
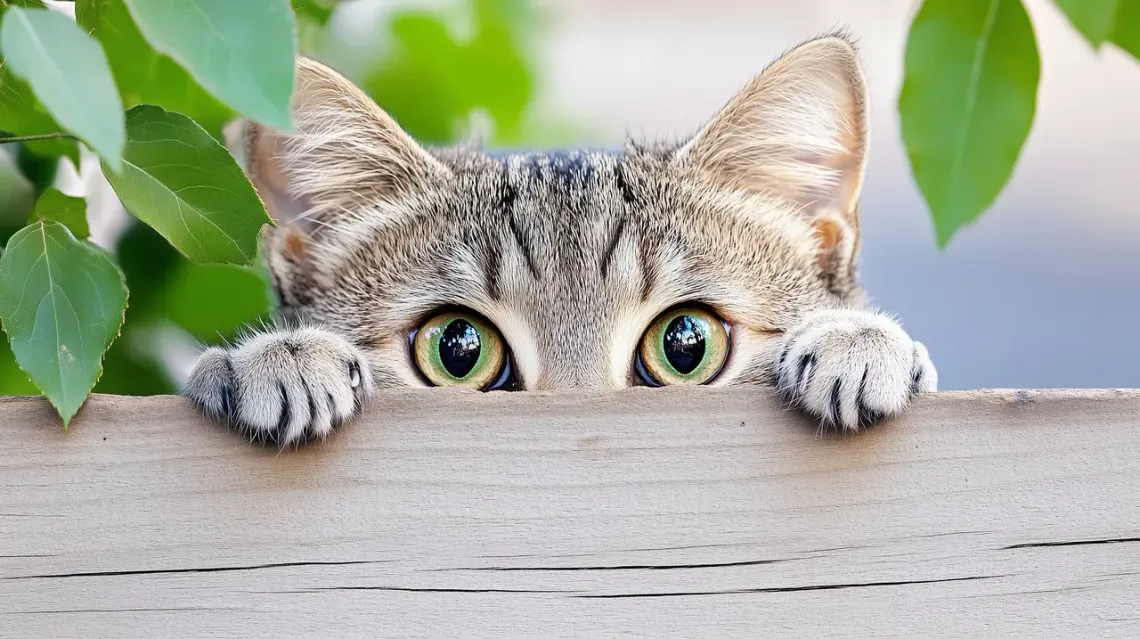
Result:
[837,363]
[323,379]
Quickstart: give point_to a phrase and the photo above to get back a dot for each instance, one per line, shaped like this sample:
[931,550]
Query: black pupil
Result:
[459,347]
[684,343]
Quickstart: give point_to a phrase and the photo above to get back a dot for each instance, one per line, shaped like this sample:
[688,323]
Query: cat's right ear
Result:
[345,153]
[797,134]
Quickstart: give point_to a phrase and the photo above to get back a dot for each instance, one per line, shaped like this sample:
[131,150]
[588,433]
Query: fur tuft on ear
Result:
[797,133]
[345,153]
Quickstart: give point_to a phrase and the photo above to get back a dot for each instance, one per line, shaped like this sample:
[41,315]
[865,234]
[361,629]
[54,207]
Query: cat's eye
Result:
[685,345]
[460,349]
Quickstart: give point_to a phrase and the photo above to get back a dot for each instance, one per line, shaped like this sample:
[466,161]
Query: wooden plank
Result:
[657,513]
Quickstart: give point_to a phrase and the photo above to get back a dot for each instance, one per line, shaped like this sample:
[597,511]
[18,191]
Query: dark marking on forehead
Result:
[505,197]
[491,271]
[508,194]
[560,170]
[611,246]
[570,166]
[524,245]
[533,163]
[622,185]
[648,268]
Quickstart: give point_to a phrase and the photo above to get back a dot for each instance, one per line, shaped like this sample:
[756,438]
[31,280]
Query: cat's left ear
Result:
[346,154]
[796,133]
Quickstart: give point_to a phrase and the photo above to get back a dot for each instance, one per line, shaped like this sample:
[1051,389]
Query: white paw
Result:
[851,369]
[284,387]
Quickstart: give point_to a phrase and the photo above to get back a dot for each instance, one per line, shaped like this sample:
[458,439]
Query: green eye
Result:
[459,349]
[683,346]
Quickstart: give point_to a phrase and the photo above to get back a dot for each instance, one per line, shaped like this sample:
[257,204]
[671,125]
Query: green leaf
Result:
[431,82]
[243,52]
[191,300]
[188,187]
[967,103]
[24,4]
[17,195]
[13,380]
[1093,18]
[312,16]
[317,11]
[68,211]
[41,170]
[1126,32]
[149,262]
[69,74]
[143,75]
[21,114]
[133,365]
[61,304]
[89,14]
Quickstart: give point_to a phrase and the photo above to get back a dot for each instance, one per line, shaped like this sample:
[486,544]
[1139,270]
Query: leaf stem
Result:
[34,138]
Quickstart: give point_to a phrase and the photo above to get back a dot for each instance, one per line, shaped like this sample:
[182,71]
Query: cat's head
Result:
[677,263]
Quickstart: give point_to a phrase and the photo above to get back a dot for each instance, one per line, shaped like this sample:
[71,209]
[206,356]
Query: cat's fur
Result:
[571,255]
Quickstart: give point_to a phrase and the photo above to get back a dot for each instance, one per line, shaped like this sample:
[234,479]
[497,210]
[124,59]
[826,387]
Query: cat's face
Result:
[668,264]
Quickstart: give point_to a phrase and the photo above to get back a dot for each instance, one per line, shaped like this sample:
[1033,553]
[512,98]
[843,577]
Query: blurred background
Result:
[1044,291]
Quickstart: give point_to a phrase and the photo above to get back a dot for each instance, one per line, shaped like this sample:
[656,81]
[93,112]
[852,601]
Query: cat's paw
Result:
[850,369]
[285,386]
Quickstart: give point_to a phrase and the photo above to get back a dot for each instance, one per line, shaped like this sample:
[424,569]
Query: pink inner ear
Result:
[294,246]
[829,232]
[263,157]
[838,244]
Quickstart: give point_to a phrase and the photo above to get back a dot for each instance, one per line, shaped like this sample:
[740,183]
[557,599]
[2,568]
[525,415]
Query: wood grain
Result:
[649,513]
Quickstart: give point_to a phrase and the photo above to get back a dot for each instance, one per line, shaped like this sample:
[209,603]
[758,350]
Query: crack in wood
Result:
[429,590]
[726,564]
[79,611]
[1080,542]
[624,550]
[745,591]
[172,571]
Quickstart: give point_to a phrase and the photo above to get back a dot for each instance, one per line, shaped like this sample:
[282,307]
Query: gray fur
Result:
[570,254]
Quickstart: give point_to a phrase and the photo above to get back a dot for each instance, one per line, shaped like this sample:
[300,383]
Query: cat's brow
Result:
[611,246]
[648,268]
[523,244]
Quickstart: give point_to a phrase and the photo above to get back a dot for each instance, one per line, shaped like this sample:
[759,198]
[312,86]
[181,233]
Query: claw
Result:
[278,433]
[867,416]
[354,374]
[228,402]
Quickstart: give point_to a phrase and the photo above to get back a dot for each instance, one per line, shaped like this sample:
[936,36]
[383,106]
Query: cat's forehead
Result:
[580,183]
[558,168]
[556,206]
[562,212]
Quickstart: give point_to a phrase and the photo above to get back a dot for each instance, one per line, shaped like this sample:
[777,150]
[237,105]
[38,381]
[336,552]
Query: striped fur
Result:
[571,254]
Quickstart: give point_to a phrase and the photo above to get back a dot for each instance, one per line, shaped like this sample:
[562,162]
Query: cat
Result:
[726,259]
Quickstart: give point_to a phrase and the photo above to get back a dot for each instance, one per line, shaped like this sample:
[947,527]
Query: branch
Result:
[35,138]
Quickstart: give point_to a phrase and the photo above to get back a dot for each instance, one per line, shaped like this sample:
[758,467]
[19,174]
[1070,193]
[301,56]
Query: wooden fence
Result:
[642,513]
